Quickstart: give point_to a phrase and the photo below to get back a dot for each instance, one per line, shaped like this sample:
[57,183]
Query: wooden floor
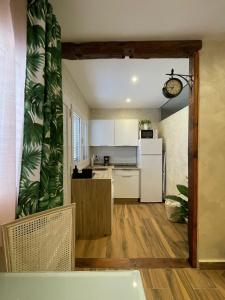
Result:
[179,284]
[139,231]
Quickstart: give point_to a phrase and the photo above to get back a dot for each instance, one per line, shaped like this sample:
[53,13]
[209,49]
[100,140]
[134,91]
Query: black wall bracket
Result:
[188,78]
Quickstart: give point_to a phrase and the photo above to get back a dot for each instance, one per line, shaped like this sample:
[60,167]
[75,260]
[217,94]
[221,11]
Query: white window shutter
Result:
[76,137]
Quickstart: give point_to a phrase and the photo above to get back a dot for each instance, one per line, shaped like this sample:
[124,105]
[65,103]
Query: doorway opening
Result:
[151,50]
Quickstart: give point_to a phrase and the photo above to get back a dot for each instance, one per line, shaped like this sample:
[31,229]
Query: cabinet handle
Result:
[126,175]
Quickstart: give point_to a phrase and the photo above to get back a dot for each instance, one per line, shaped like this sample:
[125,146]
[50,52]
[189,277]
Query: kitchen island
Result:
[94,204]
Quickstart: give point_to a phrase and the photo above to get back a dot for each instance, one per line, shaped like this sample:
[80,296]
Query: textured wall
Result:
[174,131]
[212,152]
[153,114]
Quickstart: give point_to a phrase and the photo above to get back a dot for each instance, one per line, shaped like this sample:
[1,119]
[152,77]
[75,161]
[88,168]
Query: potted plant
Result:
[177,206]
[145,124]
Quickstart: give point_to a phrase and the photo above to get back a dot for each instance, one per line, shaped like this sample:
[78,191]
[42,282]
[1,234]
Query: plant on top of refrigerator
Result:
[145,124]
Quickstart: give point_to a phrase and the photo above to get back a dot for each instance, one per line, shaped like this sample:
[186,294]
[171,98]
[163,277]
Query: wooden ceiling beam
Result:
[142,49]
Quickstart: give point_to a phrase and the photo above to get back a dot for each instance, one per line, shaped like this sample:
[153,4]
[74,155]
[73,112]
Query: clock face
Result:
[174,86]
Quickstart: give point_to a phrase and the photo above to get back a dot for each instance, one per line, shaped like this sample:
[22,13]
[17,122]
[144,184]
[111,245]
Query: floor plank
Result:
[158,294]
[181,284]
[138,231]
[218,279]
[209,294]
[199,279]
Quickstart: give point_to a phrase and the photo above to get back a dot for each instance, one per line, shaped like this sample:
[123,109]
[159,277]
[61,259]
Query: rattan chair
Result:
[41,242]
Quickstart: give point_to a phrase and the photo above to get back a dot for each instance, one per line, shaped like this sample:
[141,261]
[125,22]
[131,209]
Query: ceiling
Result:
[116,20]
[106,83]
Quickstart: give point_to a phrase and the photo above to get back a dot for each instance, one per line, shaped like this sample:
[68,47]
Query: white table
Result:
[91,285]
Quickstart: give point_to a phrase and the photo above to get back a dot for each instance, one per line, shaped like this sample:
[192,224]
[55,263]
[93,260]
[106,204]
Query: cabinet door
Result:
[126,132]
[102,133]
[126,184]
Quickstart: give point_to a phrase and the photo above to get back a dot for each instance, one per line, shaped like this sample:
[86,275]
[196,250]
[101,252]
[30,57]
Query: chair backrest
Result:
[43,241]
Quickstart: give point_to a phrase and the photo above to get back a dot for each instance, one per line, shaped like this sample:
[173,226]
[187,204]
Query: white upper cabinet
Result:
[102,133]
[126,132]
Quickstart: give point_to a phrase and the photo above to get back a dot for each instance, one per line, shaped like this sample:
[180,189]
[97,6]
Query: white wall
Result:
[12,81]
[153,114]
[19,10]
[74,101]
[174,131]
[72,95]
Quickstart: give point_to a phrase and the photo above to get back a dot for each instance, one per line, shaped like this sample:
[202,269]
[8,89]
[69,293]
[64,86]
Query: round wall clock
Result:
[172,88]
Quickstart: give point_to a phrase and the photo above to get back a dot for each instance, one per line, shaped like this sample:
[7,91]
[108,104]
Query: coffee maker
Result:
[106,160]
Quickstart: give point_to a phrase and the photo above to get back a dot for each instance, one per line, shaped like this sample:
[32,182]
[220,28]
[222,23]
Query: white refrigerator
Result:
[150,162]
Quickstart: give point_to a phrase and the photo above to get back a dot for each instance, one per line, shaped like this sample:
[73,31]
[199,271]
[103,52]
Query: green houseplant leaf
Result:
[182,189]
[182,213]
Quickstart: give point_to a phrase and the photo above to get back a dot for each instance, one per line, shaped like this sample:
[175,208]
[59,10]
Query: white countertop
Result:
[102,174]
[107,174]
[118,167]
[91,285]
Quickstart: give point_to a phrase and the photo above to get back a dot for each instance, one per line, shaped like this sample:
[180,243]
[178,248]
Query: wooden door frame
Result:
[159,49]
[193,161]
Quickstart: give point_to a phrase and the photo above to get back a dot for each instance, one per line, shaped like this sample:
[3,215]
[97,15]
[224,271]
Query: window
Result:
[84,142]
[76,129]
[80,138]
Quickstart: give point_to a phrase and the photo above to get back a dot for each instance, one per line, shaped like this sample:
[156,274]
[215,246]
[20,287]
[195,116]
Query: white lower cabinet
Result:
[126,184]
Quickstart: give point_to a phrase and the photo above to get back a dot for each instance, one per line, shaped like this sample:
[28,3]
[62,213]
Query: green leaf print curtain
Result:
[41,183]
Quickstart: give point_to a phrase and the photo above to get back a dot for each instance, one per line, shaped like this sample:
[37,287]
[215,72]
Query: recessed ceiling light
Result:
[134,79]
[128,100]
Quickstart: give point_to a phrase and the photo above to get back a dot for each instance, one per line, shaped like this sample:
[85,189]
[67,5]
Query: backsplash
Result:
[118,155]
